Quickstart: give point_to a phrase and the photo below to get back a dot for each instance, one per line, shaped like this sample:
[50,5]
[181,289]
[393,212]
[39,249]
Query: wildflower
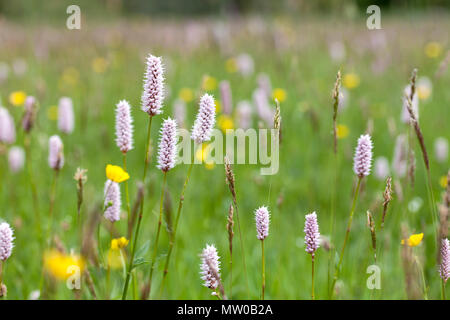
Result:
[30,113]
[55,153]
[210,267]
[7,127]
[225,94]
[153,94]
[350,80]
[245,64]
[433,49]
[225,122]
[244,114]
[61,266]
[414,240]
[17,98]
[264,83]
[167,145]
[363,156]
[381,168]
[209,83]
[312,235]
[424,88]
[65,115]
[204,122]
[342,131]
[279,94]
[16,159]
[116,173]
[265,112]
[124,127]
[262,218]
[99,65]
[186,95]
[112,201]
[444,267]
[6,241]
[443,181]
[119,243]
[441,149]
[231,65]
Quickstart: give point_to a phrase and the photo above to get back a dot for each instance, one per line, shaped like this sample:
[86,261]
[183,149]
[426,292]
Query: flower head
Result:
[167,145]
[204,122]
[244,114]
[363,156]
[112,201]
[153,94]
[441,149]
[6,241]
[413,240]
[119,243]
[209,260]
[312,235]
[262,218]
[381,168]
[116,173]
[30,113]
[55,153]
[17,98]
[225,94]
[65,115]
[7,128]
[16,159]
[124,127]
[444,267]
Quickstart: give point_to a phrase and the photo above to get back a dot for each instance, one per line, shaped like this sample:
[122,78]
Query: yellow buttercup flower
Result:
[209,83]
[116,258]
[342,131]
[119,243]
[231,65]
[186,94]
[203,155]
[433,49]
[52,113]
[61,265]
[350,80]
[99,65]
[17,98]
[443,181]
[279,94]
[225,122]
[414,240]
[116,173]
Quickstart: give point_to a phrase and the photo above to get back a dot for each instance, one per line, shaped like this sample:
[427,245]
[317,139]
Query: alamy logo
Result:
[74,20]
[374,20]
[374,280]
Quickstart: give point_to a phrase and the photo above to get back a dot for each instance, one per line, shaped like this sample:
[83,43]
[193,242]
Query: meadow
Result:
[104,63]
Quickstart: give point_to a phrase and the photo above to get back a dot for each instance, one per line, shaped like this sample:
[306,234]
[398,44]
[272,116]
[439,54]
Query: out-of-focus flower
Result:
[4,71]
[7,127]
[209,83]
[225,122]
[231,65]
[337,51]
[441,149]
[19,66]
[433,49]
[66,120]
[186,94]
[350,80]
[245,64]
[342,131]
[70,76]
[203,155]
[17,98]
[244,114]
[443,181]
[381,168]
[119,243]
[16,159]
[52,113]
[415,204]
[116,173]
[343,99]
[61,265]
[413,240]
[99,65]
[179,111]
[279,94]
[424,88]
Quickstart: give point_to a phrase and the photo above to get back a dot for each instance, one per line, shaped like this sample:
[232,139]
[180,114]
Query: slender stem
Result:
[141,210]
[155,245]
[443,283]
[347,233]
[263,270]
[174,233]
[52,204]
[126,186]
[312,277]
[242,245]
[231,273]
[331,252]
[27,142]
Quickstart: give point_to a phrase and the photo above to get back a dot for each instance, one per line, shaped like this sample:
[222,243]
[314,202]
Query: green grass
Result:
[304,181]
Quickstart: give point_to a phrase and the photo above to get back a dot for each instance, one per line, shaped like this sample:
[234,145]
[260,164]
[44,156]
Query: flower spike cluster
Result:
[205,120]
[312,235]
[153,94]
[65,115]
[167,145]
[444,268]
[363,156]
[6,241]
[262,218]
[210,258]
[55,154]
[124,127]
[112,202]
